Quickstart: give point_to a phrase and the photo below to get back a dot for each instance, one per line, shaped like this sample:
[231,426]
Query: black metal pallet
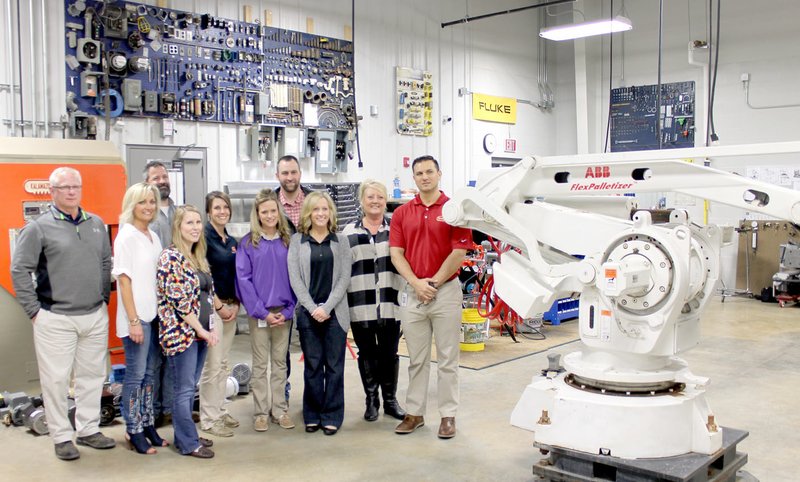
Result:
[571,465]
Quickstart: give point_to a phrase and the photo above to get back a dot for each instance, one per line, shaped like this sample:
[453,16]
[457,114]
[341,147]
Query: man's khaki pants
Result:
[441,318]
[64,343]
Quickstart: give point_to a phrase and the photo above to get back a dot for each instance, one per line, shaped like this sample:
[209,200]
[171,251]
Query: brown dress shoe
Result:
[409,424]
[447,429]
[202,452]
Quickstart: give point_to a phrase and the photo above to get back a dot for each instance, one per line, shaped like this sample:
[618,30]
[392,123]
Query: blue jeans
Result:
[324,349]
[162,378]
[137,389]
[185,368]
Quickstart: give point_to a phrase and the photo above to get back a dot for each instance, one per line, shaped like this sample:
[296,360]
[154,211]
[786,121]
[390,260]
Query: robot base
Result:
[631,427]
[722,466]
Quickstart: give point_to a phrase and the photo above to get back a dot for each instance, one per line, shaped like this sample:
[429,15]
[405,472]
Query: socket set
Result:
[138,60]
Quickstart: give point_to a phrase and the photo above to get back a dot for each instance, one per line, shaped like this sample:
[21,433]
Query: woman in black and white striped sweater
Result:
[372,297]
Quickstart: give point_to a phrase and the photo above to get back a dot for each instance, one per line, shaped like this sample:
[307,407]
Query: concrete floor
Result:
[750,350]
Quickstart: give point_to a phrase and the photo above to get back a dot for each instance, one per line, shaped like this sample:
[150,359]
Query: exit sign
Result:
[511,145]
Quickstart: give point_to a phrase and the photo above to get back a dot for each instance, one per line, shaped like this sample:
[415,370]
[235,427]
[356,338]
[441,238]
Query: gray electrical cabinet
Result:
[325,155]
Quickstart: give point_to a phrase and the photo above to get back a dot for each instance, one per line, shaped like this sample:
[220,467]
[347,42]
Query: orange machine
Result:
[25,167]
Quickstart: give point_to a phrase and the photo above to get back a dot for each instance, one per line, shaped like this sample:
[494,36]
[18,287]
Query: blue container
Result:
[563,309]
[396,193]
[117,374]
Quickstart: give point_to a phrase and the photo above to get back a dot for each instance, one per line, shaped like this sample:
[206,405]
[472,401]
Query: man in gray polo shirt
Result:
[69,252]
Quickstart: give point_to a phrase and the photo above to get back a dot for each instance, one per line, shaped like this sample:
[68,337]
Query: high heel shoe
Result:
[138,442]
[151,435]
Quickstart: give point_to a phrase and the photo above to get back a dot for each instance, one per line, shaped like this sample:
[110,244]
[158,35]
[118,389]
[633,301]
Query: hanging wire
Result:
[571,10]
[21,97]
[658,93]
[624,13]
[355,110]
[610,78]
[709,36]
[714,136]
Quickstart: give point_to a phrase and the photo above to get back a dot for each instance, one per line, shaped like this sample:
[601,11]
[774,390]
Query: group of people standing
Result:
[180,286]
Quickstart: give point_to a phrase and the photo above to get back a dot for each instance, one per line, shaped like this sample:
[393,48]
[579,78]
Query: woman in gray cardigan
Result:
[319,272]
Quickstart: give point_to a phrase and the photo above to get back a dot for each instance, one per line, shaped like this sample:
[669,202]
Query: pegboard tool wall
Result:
[633,117]
[166,63]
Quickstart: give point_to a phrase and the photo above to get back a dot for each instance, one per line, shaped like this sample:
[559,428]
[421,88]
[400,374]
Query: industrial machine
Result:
[625,395]
[109,405]
[25,167]
[19,409]
[786,282]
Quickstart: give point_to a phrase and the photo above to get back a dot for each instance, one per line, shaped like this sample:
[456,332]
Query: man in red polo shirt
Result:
[428,252]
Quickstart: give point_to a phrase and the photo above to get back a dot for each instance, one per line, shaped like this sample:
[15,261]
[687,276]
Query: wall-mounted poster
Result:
[414,101]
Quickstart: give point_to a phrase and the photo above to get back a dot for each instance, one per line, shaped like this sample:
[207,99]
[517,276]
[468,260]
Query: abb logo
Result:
[598,171]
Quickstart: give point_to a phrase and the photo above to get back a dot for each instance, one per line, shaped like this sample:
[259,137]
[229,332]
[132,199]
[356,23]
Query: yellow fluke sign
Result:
[494,109]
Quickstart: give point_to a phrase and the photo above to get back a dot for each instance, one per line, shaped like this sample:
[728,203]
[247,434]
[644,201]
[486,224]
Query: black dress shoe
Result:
[311,428]
[330,430]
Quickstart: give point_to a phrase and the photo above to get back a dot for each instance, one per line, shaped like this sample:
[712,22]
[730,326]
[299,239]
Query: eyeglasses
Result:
[67,188]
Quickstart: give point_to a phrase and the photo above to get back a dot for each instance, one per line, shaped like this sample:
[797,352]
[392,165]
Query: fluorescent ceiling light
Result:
[586,29]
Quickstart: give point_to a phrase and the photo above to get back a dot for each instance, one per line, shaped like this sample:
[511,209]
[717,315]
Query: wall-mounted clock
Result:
[489,143]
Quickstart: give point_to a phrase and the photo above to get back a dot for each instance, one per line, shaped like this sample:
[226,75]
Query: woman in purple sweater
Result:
[262,284]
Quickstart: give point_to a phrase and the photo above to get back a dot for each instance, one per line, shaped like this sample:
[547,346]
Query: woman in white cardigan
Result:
[319,272]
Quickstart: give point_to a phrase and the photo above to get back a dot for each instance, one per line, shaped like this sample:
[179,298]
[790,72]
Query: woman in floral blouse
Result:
[185,300]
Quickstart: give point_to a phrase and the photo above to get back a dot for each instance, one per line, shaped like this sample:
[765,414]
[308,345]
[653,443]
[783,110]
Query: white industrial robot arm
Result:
[643,287]
[504,205]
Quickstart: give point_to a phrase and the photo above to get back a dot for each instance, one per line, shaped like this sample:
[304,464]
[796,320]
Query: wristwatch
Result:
[134,321]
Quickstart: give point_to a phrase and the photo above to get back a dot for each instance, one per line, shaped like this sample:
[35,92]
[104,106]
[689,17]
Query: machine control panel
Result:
[33,209]
[634,125]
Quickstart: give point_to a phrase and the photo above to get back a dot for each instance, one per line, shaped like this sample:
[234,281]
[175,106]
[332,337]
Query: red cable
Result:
[500,311]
